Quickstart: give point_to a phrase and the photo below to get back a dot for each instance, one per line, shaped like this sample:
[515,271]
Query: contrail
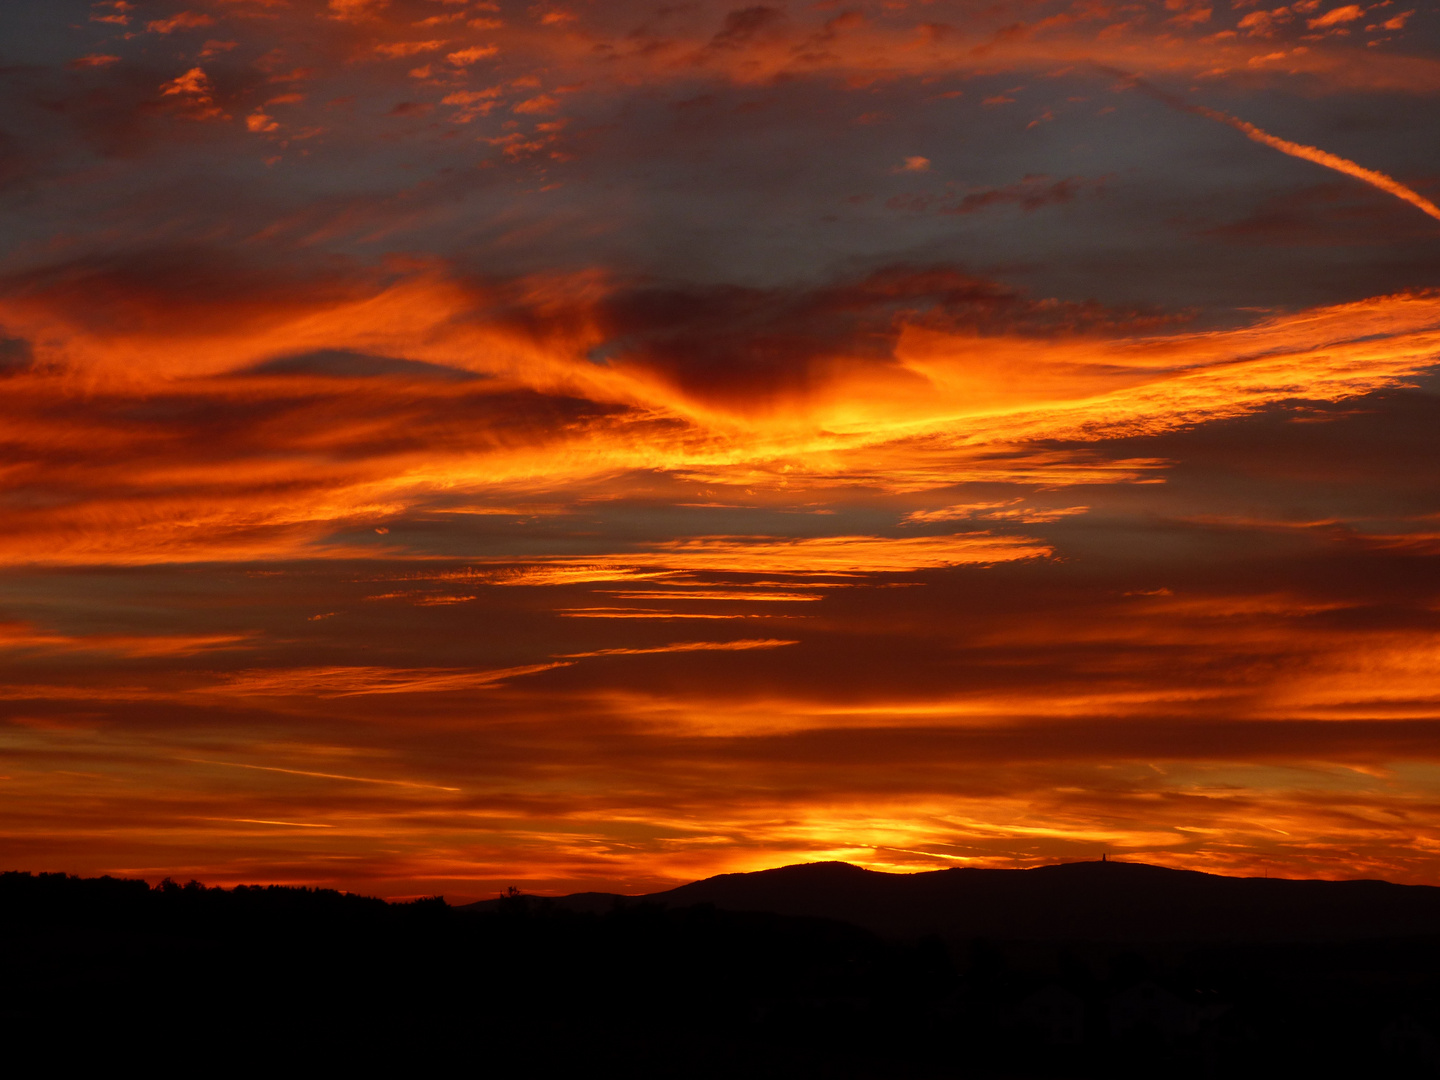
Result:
[1322,157]
[1375,179]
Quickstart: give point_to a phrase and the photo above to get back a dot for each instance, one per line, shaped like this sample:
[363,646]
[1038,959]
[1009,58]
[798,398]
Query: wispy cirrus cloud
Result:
[738,645]
[357,681]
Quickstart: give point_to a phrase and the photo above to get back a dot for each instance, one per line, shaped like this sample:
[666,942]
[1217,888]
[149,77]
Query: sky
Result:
[447,445]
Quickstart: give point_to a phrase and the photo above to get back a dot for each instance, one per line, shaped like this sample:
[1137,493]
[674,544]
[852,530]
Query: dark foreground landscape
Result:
[1085,969]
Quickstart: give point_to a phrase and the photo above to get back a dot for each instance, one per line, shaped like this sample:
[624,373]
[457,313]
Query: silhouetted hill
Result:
[111,969]
[1086,901]
[1110,972]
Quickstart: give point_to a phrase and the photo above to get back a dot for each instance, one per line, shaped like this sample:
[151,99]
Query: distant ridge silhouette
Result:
[1086,971]
[1094,901]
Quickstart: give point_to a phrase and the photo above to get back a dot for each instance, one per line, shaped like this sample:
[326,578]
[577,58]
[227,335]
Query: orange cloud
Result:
[336,682]
[23,636]
[743,645]
[196,95]
[1007,510]
[940,406]
[185,20]
[764,596]
[466,57]
[640,613]
[1337,16]
[317,775]
[356,9]
[394,49]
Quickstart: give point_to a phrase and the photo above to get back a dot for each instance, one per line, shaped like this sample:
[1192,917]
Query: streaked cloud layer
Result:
[456,444]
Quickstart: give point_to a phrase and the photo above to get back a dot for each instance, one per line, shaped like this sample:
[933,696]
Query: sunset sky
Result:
[599,444]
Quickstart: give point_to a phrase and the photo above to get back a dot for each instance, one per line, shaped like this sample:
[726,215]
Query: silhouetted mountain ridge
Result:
[1084,971]
[1089,901]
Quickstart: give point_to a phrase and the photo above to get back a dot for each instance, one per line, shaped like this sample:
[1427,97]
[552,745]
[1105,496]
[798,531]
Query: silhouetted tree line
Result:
[114,970]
